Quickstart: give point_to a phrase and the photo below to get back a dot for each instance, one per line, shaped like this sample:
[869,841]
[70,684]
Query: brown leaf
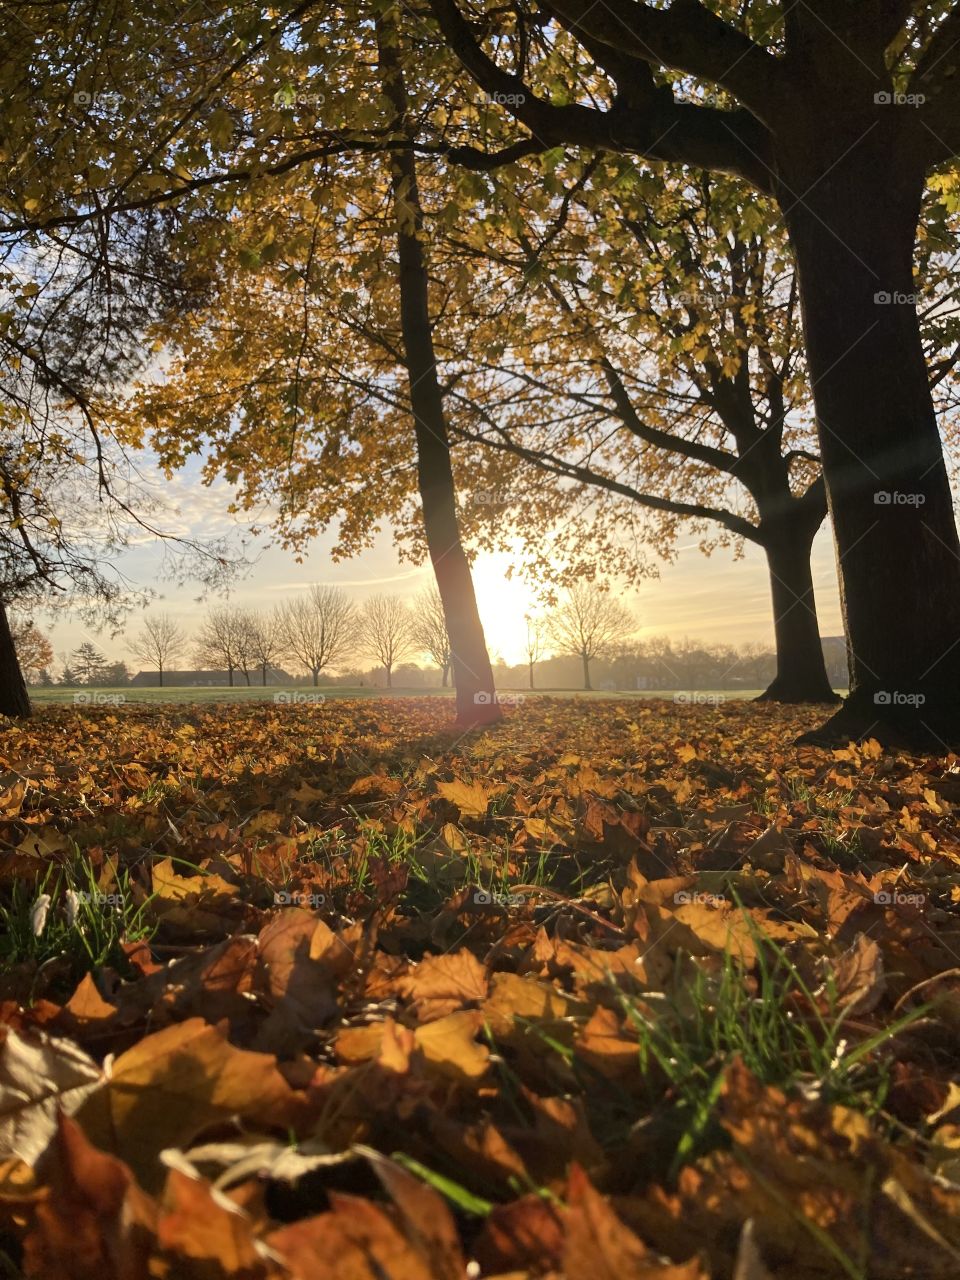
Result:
[206,1233]
[172,1084]
[442,984]
[426,1219]
[96,1221]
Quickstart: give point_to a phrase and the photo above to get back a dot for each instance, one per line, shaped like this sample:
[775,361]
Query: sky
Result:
[718,599]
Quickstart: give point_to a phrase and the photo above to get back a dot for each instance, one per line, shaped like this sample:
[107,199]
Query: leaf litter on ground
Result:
[614,988]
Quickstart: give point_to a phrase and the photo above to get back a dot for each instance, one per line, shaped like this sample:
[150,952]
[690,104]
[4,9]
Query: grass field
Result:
[303,694]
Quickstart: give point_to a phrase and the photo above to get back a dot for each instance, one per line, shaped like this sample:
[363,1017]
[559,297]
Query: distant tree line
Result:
[588,640]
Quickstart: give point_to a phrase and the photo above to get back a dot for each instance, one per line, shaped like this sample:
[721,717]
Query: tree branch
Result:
[662,129]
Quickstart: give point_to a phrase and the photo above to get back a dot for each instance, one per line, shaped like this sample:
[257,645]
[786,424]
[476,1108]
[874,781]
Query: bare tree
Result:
[387,632]
[589,624]
[429,630]
[223,642]
[320,628]
[266,639]
[157,642]
[245,643]
[534,646]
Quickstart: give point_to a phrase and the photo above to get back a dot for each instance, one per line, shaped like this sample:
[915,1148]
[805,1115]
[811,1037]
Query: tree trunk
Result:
[160,673]
[586,671]
[445,675]
[230,676]
[14,699]
[389,671]
[897,546]
[472,674]
[801,669]
[263,673]
[315,672]
[531,672]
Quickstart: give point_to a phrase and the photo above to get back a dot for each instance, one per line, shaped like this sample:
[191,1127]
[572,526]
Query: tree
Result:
[589,624]
[34,650]
[221,640]
[386,632]
[682,397]
[845,154]
[88,663]
[430,630]
[116,673]
[320,629]
[266,639]
[157,643]
[533,649]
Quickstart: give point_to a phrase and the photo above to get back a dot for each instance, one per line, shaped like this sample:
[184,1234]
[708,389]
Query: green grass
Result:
[786,1035]
[44,695]
[68,921]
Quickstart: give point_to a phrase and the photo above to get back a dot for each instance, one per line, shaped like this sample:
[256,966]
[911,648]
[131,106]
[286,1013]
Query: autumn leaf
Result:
[173,1084]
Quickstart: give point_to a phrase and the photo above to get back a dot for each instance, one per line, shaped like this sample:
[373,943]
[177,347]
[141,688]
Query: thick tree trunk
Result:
[160,673]
[586,671]
[530,664]
[230,676]
[801,669]
[472,674]
[263,675]
[315,672]
[14,700]
[897,546]
[445,676]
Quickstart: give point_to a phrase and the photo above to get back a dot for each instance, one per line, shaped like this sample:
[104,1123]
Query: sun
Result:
[504,605]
